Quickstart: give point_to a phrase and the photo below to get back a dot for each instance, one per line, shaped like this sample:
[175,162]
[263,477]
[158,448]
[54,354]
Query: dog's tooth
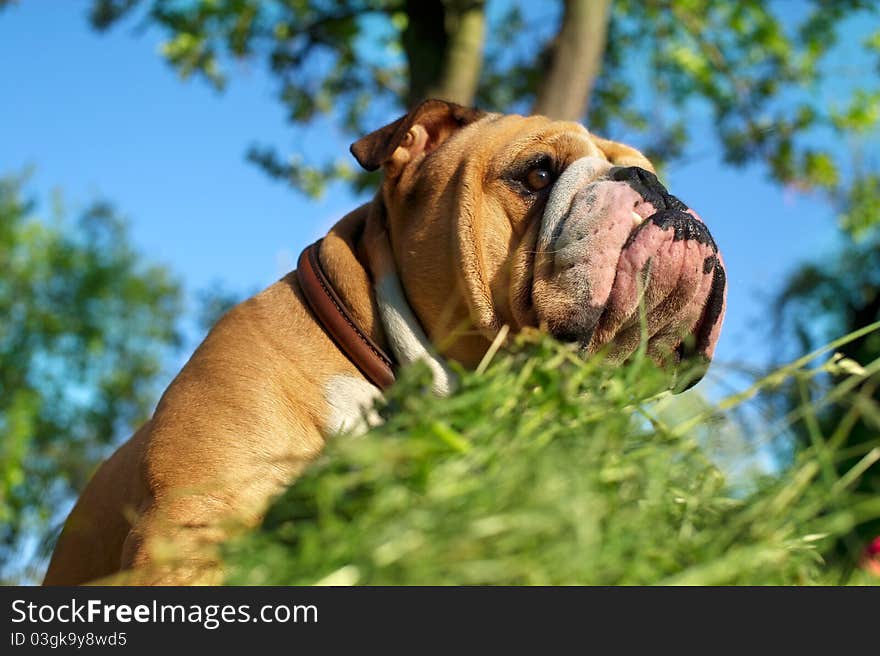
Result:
[637,219]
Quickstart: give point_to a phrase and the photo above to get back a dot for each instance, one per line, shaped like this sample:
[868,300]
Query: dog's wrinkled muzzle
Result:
[624,259]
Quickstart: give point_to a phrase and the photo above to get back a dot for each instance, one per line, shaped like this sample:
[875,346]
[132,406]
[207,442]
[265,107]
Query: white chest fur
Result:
[350,401]
[407,339]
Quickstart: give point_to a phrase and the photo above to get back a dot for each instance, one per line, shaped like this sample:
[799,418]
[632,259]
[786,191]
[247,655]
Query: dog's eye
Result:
[532,175]
[538,178]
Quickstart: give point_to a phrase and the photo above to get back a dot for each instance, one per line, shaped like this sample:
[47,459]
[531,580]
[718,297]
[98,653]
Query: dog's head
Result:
[504,219]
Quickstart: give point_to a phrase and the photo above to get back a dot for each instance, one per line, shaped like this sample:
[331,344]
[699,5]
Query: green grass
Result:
[545,469]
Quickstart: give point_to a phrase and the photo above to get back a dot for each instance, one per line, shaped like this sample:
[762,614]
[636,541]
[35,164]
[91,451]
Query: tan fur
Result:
[247,413]
[463,240]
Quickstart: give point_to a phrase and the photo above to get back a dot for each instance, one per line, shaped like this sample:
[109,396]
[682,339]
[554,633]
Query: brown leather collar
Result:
[338,323]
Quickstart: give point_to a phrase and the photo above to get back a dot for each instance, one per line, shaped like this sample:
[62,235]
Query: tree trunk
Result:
[443,41]
[575,60]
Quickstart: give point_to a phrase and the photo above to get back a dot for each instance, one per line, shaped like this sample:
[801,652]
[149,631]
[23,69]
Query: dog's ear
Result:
[417,133]
[620,154]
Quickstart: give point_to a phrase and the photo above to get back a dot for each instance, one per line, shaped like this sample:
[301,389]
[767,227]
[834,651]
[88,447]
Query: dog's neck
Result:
[345,261]
[357,259]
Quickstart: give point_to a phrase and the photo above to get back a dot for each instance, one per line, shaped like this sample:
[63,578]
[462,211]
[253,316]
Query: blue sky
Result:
[103,116]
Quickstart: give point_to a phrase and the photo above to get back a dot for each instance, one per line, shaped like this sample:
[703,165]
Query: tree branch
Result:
[464,55]
[575,61]
[444,48]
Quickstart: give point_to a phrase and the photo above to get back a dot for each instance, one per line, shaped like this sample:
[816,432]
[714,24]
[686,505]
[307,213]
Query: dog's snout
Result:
[635,174]
[684,226]
[651,189]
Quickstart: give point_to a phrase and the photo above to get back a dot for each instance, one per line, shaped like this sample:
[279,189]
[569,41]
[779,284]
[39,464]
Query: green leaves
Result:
[86,325]
[860,206]
[190,54]
[759,75]
[860,115]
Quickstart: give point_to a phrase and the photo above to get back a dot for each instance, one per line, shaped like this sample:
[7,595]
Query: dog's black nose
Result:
[651,189]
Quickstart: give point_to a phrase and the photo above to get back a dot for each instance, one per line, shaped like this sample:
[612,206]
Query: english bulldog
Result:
[482,221]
